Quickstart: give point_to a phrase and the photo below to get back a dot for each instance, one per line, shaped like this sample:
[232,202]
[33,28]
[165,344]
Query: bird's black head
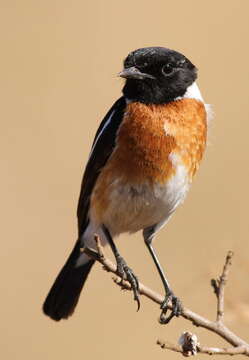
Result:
[156,75]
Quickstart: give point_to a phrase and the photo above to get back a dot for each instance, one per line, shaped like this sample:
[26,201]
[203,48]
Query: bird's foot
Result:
[126,273]
[176,308]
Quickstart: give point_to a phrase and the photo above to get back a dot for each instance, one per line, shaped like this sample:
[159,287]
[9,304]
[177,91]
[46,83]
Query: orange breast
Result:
[149,133]
[147,136]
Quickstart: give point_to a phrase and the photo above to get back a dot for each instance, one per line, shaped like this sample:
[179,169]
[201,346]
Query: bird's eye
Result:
[168,69]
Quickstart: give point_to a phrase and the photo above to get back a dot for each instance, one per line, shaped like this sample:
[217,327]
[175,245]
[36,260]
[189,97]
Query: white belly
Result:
[133,208]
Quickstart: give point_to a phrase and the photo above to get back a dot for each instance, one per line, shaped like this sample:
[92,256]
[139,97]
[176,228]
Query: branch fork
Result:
[188,344]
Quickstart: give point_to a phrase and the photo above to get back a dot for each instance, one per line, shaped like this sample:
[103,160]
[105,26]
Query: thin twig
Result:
[239,345]
[239,350]
[168,346]
[219,287]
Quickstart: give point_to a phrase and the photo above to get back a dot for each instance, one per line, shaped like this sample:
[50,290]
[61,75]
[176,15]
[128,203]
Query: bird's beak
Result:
[133,73]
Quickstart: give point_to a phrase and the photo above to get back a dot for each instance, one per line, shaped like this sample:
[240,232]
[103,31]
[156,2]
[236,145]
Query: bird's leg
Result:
[169,295]
[122,268]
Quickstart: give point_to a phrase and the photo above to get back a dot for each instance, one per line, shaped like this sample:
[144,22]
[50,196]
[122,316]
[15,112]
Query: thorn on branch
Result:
[215,285]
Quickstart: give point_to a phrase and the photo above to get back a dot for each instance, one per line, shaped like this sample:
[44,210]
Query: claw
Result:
[176,308]
[124,270]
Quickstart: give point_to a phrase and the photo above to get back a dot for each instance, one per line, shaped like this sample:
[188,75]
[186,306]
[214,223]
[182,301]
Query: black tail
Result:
[64,294]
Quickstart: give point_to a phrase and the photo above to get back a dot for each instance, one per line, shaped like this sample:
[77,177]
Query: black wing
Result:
[102,148]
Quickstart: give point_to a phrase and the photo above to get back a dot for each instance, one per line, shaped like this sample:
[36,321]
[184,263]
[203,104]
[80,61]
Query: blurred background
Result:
[59,61]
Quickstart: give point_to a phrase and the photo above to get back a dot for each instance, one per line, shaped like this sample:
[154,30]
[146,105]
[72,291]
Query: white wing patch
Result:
[101,132]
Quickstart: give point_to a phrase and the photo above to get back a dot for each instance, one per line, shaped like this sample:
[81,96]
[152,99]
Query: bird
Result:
[144,156]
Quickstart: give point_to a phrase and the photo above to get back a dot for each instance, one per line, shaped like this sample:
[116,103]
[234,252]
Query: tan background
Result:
[59,61]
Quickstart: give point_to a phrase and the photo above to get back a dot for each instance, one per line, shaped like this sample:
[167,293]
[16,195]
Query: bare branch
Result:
[239,346]
[168,346]
[219,286]
[239,350]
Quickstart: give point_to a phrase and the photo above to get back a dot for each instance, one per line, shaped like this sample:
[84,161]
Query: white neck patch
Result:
[193,92]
